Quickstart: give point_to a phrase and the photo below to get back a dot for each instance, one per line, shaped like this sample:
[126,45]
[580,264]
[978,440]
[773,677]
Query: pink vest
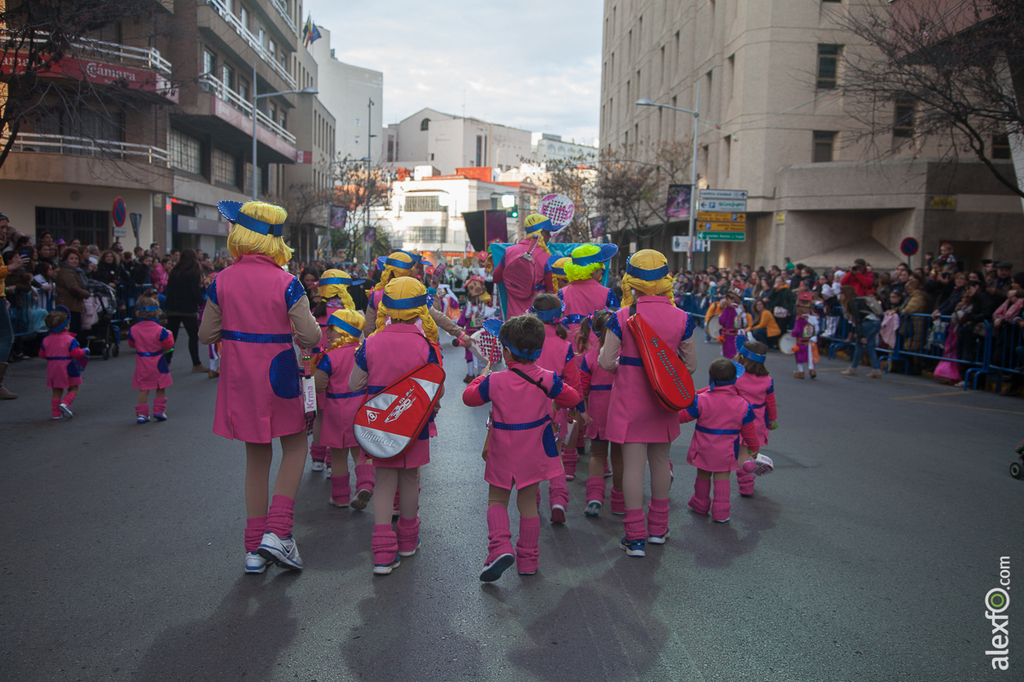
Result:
[582,298]
[149,340]
[600,395]
[519,306]
[720,413]
[61,369]
[635,414]
[755,390]
[258,391]
[340,403]
[556,352]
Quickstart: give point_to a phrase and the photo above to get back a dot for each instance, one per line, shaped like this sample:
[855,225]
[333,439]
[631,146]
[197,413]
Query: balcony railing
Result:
[253,41]
[210,83]
[83,146]
[141,57]
[282,9]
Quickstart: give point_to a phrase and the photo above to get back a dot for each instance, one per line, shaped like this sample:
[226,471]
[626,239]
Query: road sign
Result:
[681,244]
[120,212]
[730,205]
[725,236]
[720,227]
[723,194]
[909,246]
[707,216]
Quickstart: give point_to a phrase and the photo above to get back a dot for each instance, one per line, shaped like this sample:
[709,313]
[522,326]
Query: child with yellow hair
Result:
[257,310]
[636,418]
[387,355]
[344,331]
[524,266]
[556,264]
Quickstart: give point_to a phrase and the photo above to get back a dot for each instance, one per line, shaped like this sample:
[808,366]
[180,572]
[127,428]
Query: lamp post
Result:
[367,246]
[644,102]
[255,98]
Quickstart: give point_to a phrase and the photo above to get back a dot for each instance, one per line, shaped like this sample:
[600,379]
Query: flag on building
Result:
[314,34]
[307,28]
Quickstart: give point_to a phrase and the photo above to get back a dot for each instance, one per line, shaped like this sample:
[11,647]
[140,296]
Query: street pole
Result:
[254,166]
[367,246]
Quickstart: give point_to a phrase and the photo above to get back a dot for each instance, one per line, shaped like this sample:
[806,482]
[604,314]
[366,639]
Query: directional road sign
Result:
[723,194]
[720,227]
[722,205]
[710,217]
[724,236]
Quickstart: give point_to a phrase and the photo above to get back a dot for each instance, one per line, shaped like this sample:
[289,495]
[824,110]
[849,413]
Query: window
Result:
[224,168]
[428,235]
[272,47]
[243,89]
[416,203]
[209,65]
[391,148]
[1001,147]
[228,77]
[824,142]
[185,152]
[357,123]
[425,124]
[903,123]
[479,150]
[726,155]
[828,66]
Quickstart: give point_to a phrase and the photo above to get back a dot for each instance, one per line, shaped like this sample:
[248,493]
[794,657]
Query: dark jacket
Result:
[184,293]
[70,288]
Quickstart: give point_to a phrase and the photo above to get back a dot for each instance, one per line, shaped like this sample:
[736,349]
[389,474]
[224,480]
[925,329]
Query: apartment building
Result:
[98,132]
[550,147]
[772,123]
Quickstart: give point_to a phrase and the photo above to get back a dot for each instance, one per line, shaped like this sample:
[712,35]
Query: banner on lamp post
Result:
[678,206]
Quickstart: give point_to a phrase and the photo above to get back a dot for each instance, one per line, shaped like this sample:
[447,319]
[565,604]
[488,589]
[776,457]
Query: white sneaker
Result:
[318,465]
[254,563]
[142,419]
[282,551]
[327,473]
[385,569]
[66,411]
[657,539]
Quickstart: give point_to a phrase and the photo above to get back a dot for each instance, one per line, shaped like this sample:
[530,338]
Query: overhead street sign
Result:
[725,236]
[722,217]
[723,194]
[681,244]
[720,227]
[722,205]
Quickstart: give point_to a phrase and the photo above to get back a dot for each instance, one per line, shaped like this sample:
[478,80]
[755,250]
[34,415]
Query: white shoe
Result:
[327,473]
[318,465]
[254,563]
[142,419]
[385,569]
[282,552]
[66,411]
[657,539]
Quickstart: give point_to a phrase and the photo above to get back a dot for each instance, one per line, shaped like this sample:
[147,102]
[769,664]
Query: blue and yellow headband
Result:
[549,316]
[232,210]
[326,281]
[339,322]
[646,275]
[605,254]
[739,372]
[148,308]
[404,303]
[542,225]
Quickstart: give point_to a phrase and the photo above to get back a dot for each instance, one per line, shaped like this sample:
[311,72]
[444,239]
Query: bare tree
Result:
[947,70]
[365,194]
[575,177]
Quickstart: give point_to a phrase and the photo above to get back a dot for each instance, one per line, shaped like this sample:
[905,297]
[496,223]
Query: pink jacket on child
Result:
[723,419]
[150,340]
[760,393]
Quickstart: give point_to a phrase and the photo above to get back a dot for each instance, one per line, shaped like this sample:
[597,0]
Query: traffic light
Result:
[514,211]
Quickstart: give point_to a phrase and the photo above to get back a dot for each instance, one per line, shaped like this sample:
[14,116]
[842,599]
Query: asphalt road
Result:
[866,556]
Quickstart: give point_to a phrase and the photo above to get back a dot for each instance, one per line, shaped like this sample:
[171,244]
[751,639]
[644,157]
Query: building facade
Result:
[772,122]
[549,147]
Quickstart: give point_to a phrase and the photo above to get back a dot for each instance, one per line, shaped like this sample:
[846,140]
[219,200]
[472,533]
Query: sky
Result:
[533,65]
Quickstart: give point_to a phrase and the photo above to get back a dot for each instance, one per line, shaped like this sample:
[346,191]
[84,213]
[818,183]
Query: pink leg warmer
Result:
[618,502]
[595,489]
[499,533]
[385,544]
[279,519]
[746,482]
[364,477]
[408,534]
[720,507]
[657,517]
[634,524]
[558,493]
[569,459]
[255,527]
[159,405]
[341,491]
[55,407]
[701,500]
[528,546]
[141,410]
[70,398]
[318,452]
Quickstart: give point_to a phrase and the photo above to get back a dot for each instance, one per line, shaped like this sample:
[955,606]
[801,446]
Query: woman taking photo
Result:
[184,295]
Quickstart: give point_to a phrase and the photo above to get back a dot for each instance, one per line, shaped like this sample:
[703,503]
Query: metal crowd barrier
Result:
[28,310]
[1007,351]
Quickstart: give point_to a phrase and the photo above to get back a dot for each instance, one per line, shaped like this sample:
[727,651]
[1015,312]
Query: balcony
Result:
[82,146]
[228,95]
[253,41]
[282,9]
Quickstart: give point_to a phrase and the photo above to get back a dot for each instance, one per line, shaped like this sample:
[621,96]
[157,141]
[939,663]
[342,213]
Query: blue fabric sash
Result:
[149,355]
[502,426]
[631,361]
[247,337]
[350,394]
[717,432]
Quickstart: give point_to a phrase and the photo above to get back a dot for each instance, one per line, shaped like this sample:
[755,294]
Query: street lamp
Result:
[644,102]
[304,91]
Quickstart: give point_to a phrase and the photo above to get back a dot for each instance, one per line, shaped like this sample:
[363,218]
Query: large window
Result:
[186,152]
[422,204]
[427,235]
[209,62]
[228,77]
[1001,147]
[224,167]
[828,66]
[824,143]
[903,121]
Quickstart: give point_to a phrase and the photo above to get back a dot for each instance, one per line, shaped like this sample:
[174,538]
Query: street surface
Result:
[866,556]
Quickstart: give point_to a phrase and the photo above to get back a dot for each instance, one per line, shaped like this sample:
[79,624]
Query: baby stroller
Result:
[101,309]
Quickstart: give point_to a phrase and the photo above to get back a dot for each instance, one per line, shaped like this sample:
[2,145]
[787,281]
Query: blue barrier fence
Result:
[29,308]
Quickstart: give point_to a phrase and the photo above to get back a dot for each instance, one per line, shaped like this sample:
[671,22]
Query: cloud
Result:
[533,65]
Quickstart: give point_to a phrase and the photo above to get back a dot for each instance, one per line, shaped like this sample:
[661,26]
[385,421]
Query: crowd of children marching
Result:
[572,373]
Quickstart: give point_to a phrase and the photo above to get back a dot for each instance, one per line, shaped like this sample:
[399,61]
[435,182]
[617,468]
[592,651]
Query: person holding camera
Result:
[860,277]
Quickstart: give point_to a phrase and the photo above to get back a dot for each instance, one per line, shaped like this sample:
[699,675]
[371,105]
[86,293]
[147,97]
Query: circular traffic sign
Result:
[120,212]
[909,246]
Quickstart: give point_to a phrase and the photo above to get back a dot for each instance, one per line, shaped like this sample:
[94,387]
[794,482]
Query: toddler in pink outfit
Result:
[150,341]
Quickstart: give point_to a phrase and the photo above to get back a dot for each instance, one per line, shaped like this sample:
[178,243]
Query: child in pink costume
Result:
[522,450]
[636,418]
[387,355]
[734,320]
[723,419]
[557,357]
[532,250]
[150,342]
[333,289]
[257,311]
[805,331]
[64,362]
[596,385]
[345,329]
[757,388]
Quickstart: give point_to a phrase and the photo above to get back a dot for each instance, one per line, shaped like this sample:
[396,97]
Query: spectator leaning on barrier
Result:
[70,289]
[865,313]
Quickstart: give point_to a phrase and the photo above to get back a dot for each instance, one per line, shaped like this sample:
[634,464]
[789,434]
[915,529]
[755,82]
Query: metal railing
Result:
[253,41]
[83,146]
[237,101]
[143,57]
[282,9]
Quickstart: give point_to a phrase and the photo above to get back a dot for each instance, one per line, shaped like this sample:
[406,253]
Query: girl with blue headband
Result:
[64,362]
[757,387]
[521,448]
[151,343]
[258,311]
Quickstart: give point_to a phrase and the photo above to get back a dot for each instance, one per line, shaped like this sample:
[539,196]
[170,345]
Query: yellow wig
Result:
[642,265]
[532,220]
[328,291]
[577,272]
[401,290]
[350,318]
[243,241]
[561,280]
[398,264]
